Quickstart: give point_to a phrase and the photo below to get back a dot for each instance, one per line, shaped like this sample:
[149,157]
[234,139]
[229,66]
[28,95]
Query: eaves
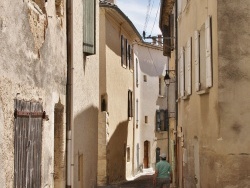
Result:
[116,13]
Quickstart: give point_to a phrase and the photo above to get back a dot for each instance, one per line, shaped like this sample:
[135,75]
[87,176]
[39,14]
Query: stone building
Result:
[151,109]
[212,46]
[33,69]
[49,91]
[115,133]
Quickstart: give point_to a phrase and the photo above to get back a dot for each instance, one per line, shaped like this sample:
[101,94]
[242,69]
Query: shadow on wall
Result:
[116,154]
[86,146]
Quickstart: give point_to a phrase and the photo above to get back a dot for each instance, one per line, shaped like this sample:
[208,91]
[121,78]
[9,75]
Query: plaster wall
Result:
[214,122]
[152,65]
[85,103]
[33,64]
[118,81]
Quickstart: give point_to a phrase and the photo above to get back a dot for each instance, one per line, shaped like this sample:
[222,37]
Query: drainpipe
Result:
[69,95]
[176,93]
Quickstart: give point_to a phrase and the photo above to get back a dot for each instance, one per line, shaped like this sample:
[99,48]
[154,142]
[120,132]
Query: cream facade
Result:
[33,64]
[151,109]
[115,134]
[83,128]
[213,146]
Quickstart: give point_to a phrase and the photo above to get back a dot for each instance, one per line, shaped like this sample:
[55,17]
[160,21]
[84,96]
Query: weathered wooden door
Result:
[145,161]
[28,142]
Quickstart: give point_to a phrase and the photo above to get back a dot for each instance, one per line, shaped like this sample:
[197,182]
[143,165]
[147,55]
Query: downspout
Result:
[176,92]
[69,94]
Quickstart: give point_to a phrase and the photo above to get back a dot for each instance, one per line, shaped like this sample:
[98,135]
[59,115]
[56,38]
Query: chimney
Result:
[160,43]
[154,40]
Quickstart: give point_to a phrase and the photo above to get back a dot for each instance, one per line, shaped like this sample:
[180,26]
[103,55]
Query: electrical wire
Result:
[156,16]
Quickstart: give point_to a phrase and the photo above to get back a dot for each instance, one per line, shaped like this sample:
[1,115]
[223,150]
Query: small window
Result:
[89,47]
[162,86]
[146,119]
[162,120]
[128,154]
[124,49]
[137,73]
[130,103]
[104,102]
[145,78]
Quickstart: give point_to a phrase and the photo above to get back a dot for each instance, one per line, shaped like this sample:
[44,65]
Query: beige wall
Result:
[32,63]
[116,84]
[85,103]
[216,147]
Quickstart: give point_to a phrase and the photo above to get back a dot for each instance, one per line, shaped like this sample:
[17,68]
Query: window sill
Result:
[202,92]
[186,97]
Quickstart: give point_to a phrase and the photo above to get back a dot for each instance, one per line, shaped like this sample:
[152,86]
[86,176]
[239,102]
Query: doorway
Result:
[146,155]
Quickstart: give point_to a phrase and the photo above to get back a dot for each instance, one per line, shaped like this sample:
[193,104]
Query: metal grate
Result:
[28,142]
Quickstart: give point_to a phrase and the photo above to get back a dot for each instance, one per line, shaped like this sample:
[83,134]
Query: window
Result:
[137,73]
[128,154]
[145,78]
[28,143]
[157,153]
[162,121]
[124,51]
[131,57]
[104,102]
[130,111]
[137,113]
[146,119]
[161,86]
[89,27]
[185,61]
[203,56]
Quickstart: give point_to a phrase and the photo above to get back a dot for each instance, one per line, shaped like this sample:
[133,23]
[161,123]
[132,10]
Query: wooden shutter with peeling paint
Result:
[208,52]
[197,60]
[89,27]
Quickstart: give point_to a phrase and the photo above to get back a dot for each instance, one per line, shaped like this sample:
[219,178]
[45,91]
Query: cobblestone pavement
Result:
[145,181]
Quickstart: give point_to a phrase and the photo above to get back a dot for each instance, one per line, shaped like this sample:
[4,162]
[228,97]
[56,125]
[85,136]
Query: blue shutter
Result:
[89,27]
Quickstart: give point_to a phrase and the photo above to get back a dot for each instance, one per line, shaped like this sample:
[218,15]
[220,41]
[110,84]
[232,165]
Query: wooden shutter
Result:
[122,49]
[208,52]
[137,72]
[89,27]
[131,58]
[158,120]
[182,85]
[130,111]
[197,60]
[166,123]
[189,70]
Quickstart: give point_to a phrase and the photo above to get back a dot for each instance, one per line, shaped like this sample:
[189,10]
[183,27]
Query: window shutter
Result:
[125,54]
[130,110]
[166,123]
[182,86]
[158,120]
[122,49]
[128,54]
[137,72]
[197,60]
[188,61]
[89,27]
[131,55]
[208,52]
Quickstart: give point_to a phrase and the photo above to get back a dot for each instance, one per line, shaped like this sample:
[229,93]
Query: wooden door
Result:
[145,160]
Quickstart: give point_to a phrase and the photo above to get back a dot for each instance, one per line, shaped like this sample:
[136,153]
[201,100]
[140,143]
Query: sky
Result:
[136,10]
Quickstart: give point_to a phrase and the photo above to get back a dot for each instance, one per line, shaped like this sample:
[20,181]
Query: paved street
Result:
[145,181]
